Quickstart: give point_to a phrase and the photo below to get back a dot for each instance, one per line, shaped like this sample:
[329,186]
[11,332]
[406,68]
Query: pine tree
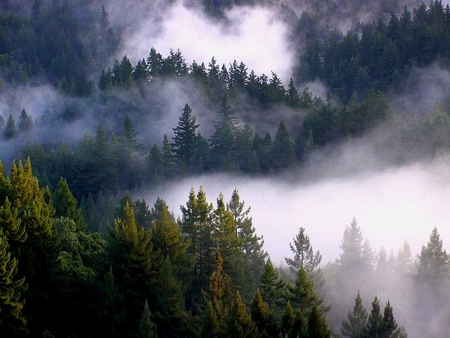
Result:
[25,122]
[306,258]
[130,135]
[12,321]
[195,223]
[272,286]
[129,252]
[185,136]
[251,243]
[287,320]
[263,317]
[169,243]
[10,129]
[302,294]
[434,262]
[299,329]
[355,325]
[170,315]
[147,329]
[240,324]
[219,294]
[317,324]
[283,154]
[66,205]
[375,323]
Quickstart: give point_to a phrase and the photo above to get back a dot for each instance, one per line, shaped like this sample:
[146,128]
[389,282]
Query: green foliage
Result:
[66,205]
[355,325]
[306,258]
[263,317]
[12,321]
[147,329]
[240,323]
[185,136]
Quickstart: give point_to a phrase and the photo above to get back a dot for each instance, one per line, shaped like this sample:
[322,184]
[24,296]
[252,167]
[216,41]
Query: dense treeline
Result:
[57,43]
[379,55]
[205,274]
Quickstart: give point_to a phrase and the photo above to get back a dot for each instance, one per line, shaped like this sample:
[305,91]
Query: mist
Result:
[255,36]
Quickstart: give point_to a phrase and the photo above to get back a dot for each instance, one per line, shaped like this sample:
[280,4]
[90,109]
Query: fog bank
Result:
[390,206]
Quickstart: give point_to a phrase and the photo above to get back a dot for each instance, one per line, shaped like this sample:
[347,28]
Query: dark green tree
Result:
[306,258]
[66,205]
[12,320]
[375,323]
[317,324]
[263,317]
[25,122]
[287,320]
[240,324]
[355,325]
[272,286]
[10,129]
[185,136]
[147,329]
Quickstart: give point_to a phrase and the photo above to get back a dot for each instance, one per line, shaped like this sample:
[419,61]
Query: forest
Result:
[89,131]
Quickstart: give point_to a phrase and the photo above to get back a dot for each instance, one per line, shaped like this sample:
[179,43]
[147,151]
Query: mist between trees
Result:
[358,106]
[149,273]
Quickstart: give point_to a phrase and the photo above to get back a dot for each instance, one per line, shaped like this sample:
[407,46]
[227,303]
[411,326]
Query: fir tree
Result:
[298,329]
[263,317]
[240,324]
[185,136]
[306,258]
[272,286]
[355,325]
[287,320]
[12,321]
[25,122]
[375,323]
[66,205]
[10,129]
[147,329]
[317,325]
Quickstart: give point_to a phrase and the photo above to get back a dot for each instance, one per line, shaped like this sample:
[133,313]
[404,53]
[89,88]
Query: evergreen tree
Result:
[66,205]
[375,323]
[130,135]
[283,154]
[169,243]
[197,227]
[12,321]
[219,301]
[434,263]
[287,320]
[250,243]
[317,324]
[129,252]
[10,129]
[147,329]
[302,294]
[272,286]
[240,324]
[355,325]
[298,329]
[185,136]
[263,317]
[170,315]
[306,258]
[25,122]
